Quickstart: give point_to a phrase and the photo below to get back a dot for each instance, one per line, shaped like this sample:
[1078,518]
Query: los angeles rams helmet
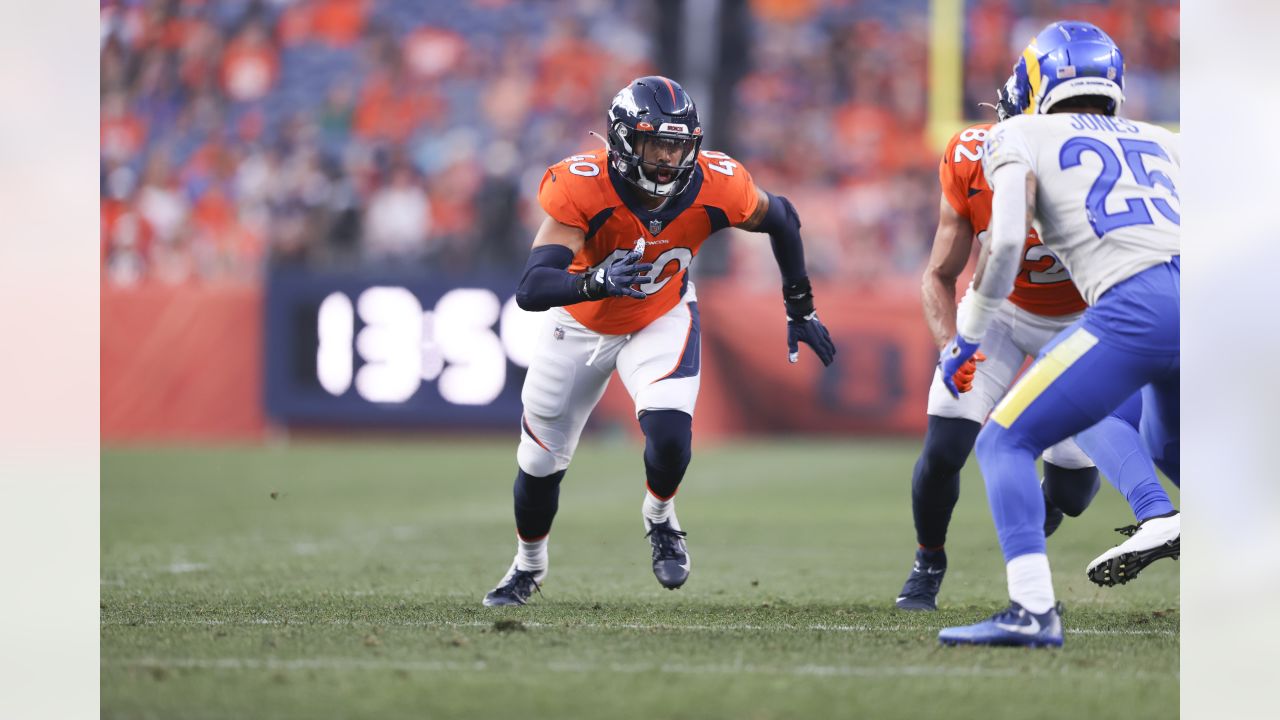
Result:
[1067,59]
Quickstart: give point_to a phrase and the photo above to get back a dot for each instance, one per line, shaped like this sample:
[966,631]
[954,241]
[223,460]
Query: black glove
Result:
[803,325]
[616,278]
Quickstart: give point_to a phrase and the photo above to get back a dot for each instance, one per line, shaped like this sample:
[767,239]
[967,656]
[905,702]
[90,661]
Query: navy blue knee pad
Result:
[1071,490]
[668,447]
[536,502]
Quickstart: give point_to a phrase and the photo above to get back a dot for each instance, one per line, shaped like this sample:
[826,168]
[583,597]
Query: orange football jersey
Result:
[1042,285]
[583,192]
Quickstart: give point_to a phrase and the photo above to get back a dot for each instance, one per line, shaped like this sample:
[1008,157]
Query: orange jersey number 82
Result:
[975,153]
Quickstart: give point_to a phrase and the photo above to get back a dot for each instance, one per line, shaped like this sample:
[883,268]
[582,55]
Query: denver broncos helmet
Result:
[1067,59]
[654,135]
[1008,101]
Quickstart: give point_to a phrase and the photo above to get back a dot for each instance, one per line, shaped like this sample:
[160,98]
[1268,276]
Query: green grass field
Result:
[344,580]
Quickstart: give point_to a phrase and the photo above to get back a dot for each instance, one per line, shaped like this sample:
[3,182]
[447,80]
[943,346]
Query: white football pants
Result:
[660,366]
[1015,334]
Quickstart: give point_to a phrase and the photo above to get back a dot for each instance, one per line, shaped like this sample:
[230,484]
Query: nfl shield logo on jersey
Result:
[558,333]
[655,227]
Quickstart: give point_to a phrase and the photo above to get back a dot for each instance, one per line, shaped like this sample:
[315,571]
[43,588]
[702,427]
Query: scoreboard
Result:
[394,348]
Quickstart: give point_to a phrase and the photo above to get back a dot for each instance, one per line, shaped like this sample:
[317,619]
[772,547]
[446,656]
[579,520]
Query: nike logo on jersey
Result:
[972,191]
[1030,629]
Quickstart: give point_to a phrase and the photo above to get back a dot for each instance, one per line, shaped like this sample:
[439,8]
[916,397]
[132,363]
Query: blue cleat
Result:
[516,588]
[1011,626]
[670,555]
[920,592]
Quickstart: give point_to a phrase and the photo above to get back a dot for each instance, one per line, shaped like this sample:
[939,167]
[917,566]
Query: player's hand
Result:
[952,359]
[963,379]
[618,277]
[803,325]
[810,331]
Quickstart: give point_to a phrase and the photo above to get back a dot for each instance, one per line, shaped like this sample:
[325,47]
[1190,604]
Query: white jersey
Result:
[1106,197]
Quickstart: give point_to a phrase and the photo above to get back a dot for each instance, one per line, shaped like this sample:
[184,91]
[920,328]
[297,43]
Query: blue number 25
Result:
[1135,212]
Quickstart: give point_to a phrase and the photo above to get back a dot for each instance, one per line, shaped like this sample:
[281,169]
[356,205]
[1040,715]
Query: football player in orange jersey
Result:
[610,266]
[1043,302]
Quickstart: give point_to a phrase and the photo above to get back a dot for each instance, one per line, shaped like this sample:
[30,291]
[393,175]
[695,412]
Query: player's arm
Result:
[952,244]
[775,215]
[547,282]
[1013,207]
[778,217]
[1008,164]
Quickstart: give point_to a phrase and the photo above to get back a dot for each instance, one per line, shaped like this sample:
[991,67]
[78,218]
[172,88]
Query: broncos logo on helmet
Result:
[1067,59]
[654,135]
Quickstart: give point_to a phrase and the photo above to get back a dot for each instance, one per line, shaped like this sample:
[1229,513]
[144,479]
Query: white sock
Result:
[656,511]
[1030,584]
[531,555]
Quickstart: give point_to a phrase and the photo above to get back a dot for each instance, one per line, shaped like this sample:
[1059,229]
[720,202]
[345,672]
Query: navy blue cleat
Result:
[670,556]
[516,588]
[1013,626]
[920,592]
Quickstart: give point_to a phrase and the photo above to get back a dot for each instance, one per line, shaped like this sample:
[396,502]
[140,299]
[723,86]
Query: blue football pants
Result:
[1126,343]
[1116,446]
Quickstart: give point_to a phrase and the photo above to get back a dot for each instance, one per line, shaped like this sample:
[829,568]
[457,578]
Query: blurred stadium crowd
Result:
[347,133]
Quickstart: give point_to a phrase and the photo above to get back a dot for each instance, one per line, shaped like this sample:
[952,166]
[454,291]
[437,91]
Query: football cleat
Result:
[516,588]
[1014,625]
[1152,539]
[920,592]
[670,556]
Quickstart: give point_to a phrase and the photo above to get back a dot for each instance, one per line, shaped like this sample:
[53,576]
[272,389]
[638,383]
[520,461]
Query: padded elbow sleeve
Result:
[782,222]
[545,284]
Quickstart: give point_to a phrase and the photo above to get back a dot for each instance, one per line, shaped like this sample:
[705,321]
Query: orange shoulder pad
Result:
[727,185]
[573,190]
[961,167]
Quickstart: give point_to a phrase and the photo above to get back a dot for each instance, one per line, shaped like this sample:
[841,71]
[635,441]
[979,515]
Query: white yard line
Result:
[736,668]
[859,629]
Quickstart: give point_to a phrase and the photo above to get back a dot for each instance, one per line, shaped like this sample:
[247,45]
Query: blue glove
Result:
[810,331]
[803,325]
[956,353]
[617,278]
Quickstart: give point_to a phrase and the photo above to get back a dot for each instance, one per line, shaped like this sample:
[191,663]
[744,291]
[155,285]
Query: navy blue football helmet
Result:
[654,135]
[1068,59]
[1008,100]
